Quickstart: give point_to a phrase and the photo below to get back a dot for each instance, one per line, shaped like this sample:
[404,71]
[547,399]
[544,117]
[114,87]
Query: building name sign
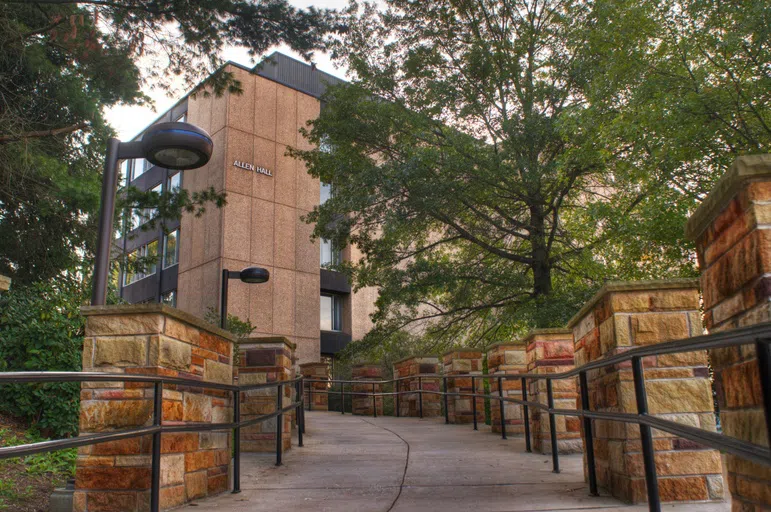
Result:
[251,167]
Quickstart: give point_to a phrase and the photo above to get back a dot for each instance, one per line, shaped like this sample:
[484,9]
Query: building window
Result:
[182,118]
[139,167]
[331,313]
[171,249]
[141,215]
[330,255]
[141,263]
[174,182]
[170,298]
[325,192]
[125,172]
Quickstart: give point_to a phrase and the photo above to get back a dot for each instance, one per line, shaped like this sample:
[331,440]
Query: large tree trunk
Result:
[540,255]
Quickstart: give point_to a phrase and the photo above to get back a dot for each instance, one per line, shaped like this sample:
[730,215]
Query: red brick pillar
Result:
[151,339]
[732,229]
[625,315]
[507,359]
[414,367]
[315,392]
[551,351]
[463,362]
[362,405]
[263,360]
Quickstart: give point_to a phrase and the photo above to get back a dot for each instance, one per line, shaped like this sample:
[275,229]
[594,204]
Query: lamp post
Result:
[249,275]
[177,146]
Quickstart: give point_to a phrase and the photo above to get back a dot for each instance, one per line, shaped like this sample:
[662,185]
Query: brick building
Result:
[267,194]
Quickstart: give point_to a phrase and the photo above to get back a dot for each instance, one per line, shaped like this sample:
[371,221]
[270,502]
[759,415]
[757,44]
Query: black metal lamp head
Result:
[254,275]
[177,146]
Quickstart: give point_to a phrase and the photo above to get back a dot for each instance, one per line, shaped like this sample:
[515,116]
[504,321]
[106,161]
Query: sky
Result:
[129,120]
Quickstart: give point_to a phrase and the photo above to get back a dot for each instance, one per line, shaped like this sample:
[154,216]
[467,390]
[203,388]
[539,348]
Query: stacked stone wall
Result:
[409,400]
[316,396]
[551,351]
[507,359]
[151,339]
[626,315]
[732,230]
[264,360]
[463,362]
[362,404]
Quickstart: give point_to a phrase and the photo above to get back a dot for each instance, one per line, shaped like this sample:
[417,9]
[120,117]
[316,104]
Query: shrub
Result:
[41,330]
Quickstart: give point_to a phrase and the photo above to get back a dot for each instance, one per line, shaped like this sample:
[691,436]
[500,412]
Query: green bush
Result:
[41,330]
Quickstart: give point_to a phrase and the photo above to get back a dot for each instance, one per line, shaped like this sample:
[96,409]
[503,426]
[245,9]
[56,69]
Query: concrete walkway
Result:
[353,463]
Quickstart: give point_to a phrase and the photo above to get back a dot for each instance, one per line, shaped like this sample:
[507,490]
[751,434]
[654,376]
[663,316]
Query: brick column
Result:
[507,359]
[362,405]
[624,315]
[463,362]
[151,339]
[551,351]
[409,403]
[732,229]
[319,401]
[262,360]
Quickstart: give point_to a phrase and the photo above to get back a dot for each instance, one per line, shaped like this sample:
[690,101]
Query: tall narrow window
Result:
[171,249]
[325,192]
[330,254]
[174,182]
[169,298]
[140,166]
[331,314]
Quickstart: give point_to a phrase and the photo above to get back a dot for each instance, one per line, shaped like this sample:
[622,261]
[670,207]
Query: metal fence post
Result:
[342,397]
[503,415]
[474,401]
[237,442]
[763,350]
[302,405]
[310,396]
[651,480]
[298,410]
[420,395]
[155,489]
[446,409]
[398,390]
[374,402]
[553,428]
[279,422]
[526,415]
[588,434]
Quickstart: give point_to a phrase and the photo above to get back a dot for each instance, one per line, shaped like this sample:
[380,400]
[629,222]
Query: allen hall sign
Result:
[251,167]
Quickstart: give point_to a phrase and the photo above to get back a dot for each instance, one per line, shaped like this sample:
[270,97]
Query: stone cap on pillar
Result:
[139,319]
[426,356]
[502,344]
[633,286]
[315,370]
[266,342]
[367,371]
[744,169]
[547,334]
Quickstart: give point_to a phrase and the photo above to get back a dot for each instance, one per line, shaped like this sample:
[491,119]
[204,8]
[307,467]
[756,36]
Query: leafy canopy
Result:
[496,160]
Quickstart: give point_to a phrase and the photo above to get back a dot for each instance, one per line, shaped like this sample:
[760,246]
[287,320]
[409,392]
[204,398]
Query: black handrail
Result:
[158,428]
[759,335]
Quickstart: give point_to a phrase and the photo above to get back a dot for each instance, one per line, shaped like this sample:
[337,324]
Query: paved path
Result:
[357,464]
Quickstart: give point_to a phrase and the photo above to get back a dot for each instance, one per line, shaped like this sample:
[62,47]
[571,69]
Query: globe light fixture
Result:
[177,146]
[249,275]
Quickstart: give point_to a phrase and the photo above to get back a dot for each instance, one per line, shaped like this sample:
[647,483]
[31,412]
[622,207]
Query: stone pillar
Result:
[152,339]
[262,360]
[507,359]
[319,401]
[409,403]
[551,351]
[362,405]
[732,230]
[623,315]
[463,362]
[5,284]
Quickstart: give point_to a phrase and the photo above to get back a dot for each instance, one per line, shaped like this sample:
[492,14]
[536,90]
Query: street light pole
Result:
[249,275]
[177,146]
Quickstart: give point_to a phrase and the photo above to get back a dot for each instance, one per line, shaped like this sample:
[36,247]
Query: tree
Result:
[62,63]
[489,161]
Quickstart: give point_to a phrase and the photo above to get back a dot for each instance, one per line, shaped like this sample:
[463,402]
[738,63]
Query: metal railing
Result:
[158,428]
[759,335]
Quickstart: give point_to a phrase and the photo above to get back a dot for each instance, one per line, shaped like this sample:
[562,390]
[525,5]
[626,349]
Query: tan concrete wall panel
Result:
[265,108]
[263,216]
